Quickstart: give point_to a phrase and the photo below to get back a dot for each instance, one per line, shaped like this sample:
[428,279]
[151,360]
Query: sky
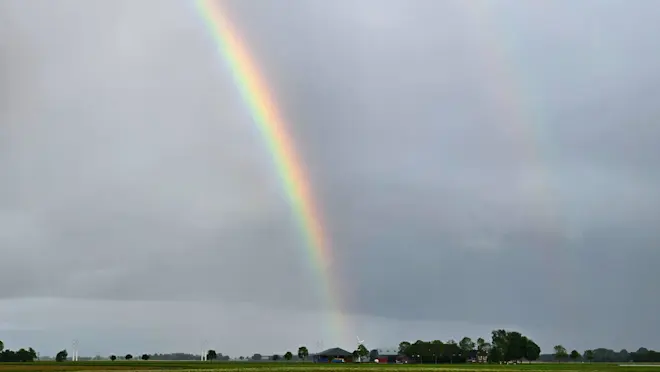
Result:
[476,165]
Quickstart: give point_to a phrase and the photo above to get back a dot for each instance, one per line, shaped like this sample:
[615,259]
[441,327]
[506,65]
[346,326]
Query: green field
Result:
[281,366]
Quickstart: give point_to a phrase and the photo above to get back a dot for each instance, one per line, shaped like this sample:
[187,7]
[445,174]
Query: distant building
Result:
[327,356]
[391,355]
[388,351]
[474,357]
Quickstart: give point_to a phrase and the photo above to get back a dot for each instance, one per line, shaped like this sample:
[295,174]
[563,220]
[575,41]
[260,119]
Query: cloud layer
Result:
[474,165]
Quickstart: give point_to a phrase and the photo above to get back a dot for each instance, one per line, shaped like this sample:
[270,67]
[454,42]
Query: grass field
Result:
[277,366]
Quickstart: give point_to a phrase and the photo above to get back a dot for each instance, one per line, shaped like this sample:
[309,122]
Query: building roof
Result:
[335,352]
[388,351]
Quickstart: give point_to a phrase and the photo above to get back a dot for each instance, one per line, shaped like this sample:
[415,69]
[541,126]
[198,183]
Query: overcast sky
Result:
[477,165]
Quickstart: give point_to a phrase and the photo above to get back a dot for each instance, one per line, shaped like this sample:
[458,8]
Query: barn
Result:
[327,356]
[390,355]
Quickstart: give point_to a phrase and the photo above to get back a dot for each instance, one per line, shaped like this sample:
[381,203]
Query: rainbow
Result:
[289,167]
[525,119]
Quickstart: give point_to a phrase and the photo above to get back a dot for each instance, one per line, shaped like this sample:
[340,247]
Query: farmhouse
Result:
[327,356]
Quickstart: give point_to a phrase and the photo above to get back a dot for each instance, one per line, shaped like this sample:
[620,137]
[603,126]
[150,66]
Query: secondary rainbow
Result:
[279,143]
[523,112]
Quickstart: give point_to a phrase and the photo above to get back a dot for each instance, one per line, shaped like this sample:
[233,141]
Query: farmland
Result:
[281,366]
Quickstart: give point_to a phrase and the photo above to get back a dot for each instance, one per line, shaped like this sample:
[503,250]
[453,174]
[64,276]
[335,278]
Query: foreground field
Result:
[276,366]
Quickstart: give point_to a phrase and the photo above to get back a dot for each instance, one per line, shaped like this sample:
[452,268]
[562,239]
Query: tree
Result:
[373,355]
[2,346]
[303,352]
[624,354]
[495,355]
[128,357]
[574,355]
[61,356]
[644,355]
[560,352]
[515,346]
[20,356]
[499,351]
[211,355]
[451,349]
[275,357]
[145,357]
[466,345]
[356,355]
[589,355]
[113,357]
[362,352]
[23,355]
[437,350]
[532,351]
[403,345]
[288,356]
[256,357]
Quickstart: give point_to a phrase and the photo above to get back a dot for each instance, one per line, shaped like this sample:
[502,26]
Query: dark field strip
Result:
[281,366]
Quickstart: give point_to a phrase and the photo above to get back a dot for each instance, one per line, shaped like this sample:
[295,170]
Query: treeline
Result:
[504,347]
[511,347]
[213,355]
[642,355]
[20,355]
[174,356]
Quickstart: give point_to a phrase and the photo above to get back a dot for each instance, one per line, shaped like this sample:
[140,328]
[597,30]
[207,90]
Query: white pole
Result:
[74,352]
[203,358]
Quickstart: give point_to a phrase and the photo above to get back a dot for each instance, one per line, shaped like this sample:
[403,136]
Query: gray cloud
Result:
[474,166]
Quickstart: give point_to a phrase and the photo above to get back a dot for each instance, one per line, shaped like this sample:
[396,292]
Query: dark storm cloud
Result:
[430,188]
[135,172]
